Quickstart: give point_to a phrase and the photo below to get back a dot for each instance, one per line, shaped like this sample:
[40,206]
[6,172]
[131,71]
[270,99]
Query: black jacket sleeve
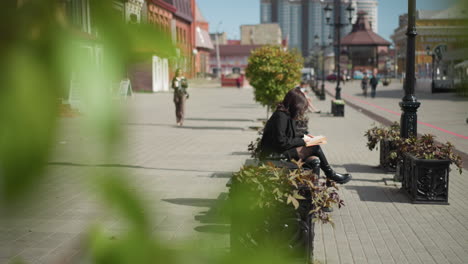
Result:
[284,141]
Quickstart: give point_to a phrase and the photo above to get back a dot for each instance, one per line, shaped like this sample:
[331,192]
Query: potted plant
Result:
[426,168]
[337,107]
[385,137]
[276,208]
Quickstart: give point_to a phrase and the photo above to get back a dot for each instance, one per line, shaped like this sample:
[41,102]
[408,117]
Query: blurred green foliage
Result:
[41,52]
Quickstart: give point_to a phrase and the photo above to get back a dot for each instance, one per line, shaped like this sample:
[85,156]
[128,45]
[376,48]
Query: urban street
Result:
[182,174]
[234,132]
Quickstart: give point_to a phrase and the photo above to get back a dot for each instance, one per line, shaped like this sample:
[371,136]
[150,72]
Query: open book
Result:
[315,140]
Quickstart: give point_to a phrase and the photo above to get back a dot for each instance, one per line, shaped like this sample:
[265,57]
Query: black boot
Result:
[313,164]
[337,177]
[329,172]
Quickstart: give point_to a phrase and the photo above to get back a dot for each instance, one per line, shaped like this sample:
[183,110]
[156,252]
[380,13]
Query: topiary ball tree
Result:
[273,71]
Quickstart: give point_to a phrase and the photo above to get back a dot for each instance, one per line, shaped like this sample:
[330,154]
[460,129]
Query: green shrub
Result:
[273,71]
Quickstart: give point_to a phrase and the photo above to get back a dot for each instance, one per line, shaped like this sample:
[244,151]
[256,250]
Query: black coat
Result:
[280,134]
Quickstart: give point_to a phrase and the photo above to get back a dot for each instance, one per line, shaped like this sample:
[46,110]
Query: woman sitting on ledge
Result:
[280,136]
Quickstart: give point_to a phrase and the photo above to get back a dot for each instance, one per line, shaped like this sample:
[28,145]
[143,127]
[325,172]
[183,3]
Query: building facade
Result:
[261,34]
[160,14]
[301,20]
[233,58]
[439,32]
[366,50]
[203,44]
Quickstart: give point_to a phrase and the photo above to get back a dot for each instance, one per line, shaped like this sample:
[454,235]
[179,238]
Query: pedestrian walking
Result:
[364,84]
[280,136]
[373,82]
[180,85]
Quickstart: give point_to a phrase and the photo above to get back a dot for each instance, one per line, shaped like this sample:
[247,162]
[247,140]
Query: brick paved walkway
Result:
[182,172]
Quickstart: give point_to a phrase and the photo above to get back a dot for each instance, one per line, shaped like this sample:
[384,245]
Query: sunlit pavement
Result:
[181,174]
[441,114]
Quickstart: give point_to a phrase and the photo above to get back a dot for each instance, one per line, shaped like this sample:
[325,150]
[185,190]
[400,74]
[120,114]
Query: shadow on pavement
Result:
[220,119]
[217,218]
[221,175]
[362,168]
[213,128]
[196,202]
[125,166]
[380,194]
[397,94]
[214,229]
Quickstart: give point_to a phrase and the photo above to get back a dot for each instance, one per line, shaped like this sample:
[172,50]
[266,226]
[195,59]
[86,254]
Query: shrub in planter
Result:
[426,167]
[386,138]
[337,107]
[276,208]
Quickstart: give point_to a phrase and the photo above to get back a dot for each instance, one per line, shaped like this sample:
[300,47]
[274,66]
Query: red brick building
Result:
[185,34]
[203,44]
[233,58]
[160,13]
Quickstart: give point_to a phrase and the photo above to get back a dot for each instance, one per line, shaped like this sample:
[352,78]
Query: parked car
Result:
[331,77]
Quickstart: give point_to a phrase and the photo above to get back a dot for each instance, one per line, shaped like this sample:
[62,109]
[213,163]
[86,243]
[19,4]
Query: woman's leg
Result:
[307,154]
[177,107]
[182,109]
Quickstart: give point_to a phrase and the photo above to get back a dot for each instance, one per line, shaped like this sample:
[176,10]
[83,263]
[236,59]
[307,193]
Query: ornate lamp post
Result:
[323,50]
[409,104]
[337,25]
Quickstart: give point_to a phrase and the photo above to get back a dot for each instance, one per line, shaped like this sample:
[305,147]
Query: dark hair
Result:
[294,103]
[303,83]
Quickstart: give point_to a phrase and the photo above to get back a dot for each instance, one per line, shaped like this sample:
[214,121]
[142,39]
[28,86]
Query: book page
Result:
[315,140]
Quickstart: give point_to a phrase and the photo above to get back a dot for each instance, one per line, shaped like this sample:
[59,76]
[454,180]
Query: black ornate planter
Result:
[386,147]
[279,228]
[337,107]
[426,181]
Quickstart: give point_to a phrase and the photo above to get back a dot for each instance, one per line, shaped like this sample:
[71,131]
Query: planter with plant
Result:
[385,137]
[426,168]
[276,208]
[337,107]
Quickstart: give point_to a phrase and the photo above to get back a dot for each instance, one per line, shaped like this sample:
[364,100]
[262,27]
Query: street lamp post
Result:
[337,25]
[409,104]
[218,60]
[432,54]
[322,96]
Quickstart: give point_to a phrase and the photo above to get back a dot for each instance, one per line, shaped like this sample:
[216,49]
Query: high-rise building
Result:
[370,7]
[301,20]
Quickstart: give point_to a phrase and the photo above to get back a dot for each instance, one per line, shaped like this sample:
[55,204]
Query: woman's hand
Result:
[307,138]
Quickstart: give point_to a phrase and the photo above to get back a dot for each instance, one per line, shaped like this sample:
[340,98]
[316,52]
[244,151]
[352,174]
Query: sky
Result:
[233,13]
